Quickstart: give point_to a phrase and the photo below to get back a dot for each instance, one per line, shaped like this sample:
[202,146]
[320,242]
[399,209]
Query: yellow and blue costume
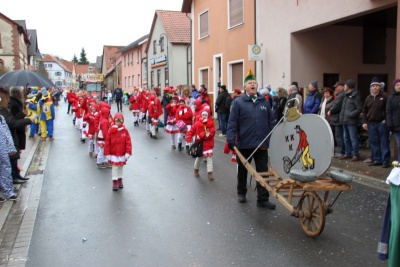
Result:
[46,113]
[31,107]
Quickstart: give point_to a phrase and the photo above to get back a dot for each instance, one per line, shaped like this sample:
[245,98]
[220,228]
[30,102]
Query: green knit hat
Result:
[249,76]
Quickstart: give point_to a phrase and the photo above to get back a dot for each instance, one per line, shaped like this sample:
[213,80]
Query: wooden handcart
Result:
[304,200]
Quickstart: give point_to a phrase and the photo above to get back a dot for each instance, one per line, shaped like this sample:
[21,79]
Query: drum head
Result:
[304,144]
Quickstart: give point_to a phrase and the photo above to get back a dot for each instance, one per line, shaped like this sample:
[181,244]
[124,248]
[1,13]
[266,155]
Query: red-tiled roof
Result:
[84,69]
[176,24]
[68,64]
[50,58]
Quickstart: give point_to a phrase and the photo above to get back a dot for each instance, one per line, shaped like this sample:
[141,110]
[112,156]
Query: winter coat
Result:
[336,107]
[155,110]
[220,103]
[374,108]
[104,126]
[118,142]
[198,130]
[185,114]
[17,110]
[118,94]
[393,112]
[135,102]
[93,119]
[14,124]
[328,106]
[165,100]
[351,108]
[313,100]
[250,122]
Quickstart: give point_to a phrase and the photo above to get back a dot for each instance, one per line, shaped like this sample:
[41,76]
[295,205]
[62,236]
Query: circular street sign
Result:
[256,49]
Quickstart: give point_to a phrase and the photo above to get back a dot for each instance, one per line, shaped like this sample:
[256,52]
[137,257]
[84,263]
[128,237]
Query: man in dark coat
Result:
[247,134]
[222,109]
[334,112]
[349,116]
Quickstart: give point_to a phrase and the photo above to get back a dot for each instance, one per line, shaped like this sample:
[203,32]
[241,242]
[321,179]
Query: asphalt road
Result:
[166,217]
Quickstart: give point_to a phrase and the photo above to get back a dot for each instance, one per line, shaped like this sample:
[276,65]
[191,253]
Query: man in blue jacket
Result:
[118,95]
[250,121]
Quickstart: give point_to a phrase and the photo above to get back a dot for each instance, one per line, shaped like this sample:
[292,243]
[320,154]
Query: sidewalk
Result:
[23,163]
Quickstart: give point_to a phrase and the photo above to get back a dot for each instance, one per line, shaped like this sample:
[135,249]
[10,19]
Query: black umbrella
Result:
[25,78]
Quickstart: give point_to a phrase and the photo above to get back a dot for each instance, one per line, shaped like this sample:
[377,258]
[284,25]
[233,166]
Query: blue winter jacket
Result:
[249,123]
[312,103]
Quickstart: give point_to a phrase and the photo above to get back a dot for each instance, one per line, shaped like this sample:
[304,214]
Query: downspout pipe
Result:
[189,55]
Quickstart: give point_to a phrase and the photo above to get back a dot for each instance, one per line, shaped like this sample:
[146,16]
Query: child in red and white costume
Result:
[92,118]
[154,113]
[135,106]
[79,108]
[171,127]
[184,113]
[104,126]
[117,149]
[203,130]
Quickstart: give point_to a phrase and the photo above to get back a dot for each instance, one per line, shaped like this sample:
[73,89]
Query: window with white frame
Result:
[138,57]
[236,12]
[203,25]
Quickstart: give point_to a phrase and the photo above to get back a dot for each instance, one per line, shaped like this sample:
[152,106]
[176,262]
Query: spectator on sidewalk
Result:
[222,109]
[313,99]
[293,92]
[374,121]
[393,114]
[349,115]
[14,124]
[326,104]
[334,112]
[7,149]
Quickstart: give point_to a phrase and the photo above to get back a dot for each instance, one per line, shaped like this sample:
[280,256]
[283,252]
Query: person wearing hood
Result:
[102,131]
[374,121]
[203,130]
[118,149]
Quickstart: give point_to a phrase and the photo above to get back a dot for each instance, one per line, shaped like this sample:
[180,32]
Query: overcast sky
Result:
[65,27]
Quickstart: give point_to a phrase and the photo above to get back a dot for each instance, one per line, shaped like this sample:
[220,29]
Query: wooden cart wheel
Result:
[312,214]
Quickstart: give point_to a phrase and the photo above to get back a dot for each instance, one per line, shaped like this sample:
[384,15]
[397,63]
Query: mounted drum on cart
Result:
[301,150]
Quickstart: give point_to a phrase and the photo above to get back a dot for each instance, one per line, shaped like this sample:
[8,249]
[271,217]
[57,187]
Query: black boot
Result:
[180,146]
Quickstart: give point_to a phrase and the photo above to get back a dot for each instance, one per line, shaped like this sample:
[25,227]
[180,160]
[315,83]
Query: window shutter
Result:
[204,77]
[235,12]
[237,76]
[204,25]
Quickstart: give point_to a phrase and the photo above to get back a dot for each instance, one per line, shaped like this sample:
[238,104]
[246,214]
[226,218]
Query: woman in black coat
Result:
[15,125]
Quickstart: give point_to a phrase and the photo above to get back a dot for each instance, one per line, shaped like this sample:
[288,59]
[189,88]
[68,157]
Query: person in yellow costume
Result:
[47,114]
[31,107]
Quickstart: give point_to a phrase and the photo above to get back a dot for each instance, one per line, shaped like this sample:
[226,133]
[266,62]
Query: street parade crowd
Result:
[186,115]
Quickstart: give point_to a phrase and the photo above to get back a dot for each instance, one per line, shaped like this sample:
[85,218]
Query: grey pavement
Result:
[17,219]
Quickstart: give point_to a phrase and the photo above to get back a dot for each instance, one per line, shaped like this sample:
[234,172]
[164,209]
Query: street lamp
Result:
[161,43]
